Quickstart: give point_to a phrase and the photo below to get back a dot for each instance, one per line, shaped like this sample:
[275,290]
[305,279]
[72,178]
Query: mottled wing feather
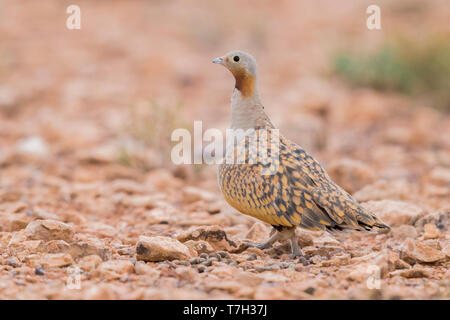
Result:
[299,192]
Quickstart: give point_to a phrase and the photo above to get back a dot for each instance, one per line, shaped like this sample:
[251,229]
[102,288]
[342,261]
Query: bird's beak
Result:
[218,60]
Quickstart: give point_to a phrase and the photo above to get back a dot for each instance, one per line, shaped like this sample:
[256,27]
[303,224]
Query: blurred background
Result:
[80,109]
[114,90]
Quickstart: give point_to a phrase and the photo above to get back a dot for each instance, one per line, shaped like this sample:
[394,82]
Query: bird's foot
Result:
[295,255]
[296,251]
[266,244]
[260,246]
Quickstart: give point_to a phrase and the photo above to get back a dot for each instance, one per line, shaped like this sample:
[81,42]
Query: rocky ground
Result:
[92,208]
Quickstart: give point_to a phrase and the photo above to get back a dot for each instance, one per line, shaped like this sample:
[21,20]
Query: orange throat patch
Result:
[245,83]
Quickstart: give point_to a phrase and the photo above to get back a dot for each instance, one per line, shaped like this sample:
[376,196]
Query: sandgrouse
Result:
[286,191]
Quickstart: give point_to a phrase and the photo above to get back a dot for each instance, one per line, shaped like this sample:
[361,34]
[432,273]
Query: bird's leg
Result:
[266,244]
[296,251]
[288,233]
[282,234]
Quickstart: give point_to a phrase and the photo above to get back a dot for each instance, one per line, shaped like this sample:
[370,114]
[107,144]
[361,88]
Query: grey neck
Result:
[246,112]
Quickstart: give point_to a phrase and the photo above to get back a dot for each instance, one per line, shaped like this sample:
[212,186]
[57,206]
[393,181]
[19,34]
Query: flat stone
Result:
[161,248]
[56,260]
[415,251]
[49,230]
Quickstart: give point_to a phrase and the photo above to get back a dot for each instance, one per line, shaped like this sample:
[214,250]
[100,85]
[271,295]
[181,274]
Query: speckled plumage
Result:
[299,192]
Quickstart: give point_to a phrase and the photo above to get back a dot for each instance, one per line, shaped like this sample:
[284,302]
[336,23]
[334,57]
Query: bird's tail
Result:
[369,221]
[363,219]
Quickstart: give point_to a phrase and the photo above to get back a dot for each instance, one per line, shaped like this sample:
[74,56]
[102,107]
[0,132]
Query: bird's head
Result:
[243,67]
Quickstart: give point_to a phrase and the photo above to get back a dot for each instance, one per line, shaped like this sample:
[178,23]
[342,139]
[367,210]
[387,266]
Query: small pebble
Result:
[310,290]
[201,268]
[315,260]
[125,251]
[204,256]
[275,267]
[194,261]
[207,263]
[303,261]
[163,265]
[39,271]
[168,262]
[252,257]
[215,255]
[223,254]
[260,268]
[299,267]
[13,262]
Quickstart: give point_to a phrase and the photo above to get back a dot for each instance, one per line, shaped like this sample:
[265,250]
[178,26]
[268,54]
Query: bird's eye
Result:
[236,58]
